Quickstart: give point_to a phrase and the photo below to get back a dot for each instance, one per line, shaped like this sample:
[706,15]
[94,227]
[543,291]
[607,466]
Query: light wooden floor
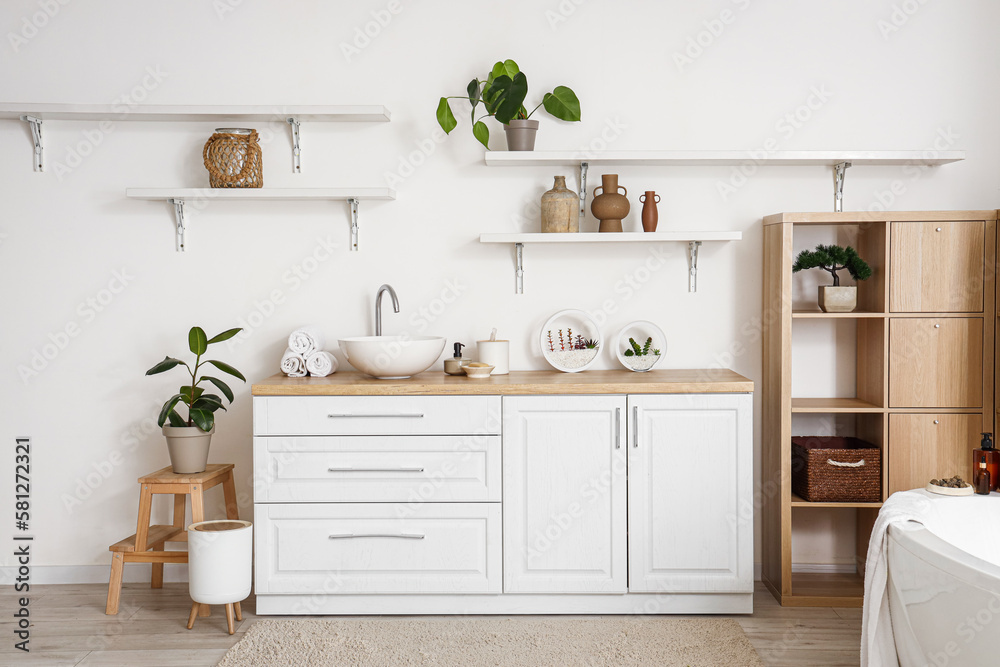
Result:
[69,627]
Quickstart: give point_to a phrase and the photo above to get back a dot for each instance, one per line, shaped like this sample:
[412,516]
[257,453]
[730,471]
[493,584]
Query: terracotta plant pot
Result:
[560,208]
[188,448]
[838,299]
[650,216]
[610,207]
[521,134]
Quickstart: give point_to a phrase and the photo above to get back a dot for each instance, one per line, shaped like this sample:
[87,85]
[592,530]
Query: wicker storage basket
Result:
[832,469]
[233,159]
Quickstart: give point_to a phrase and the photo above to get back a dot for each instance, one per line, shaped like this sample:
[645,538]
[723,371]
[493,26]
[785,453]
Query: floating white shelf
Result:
[694,239]
[839,160]
[35,114]
[177,197]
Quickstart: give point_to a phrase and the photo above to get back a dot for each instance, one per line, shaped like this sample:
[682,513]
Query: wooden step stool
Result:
[146,546]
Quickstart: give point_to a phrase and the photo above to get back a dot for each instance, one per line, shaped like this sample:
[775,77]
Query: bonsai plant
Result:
[188,439]
[502,96]
[833,258]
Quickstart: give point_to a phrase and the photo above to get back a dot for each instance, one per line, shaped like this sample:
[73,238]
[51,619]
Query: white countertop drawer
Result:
[378,548]
[376,415]
[410,469]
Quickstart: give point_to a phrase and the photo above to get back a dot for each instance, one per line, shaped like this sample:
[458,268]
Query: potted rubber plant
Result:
[835,298]
[188,440]
[502,95]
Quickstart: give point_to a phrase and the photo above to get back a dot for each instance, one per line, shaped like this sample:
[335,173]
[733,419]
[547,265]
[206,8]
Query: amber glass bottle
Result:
[982,478]
[987,449]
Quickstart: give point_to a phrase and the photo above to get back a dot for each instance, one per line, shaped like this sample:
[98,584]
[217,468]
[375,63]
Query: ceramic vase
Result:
[650,216]
[521,134]
[838,299]
[610,207]
[560,208]
[188,447]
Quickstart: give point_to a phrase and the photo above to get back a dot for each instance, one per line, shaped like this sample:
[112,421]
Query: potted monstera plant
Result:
[188,439]
[835,298]
[502,96]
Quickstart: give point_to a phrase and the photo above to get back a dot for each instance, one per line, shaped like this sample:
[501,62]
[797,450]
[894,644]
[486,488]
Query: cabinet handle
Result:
[937,326]
[936,421]
[938,229]
[374,469]
[618,428]
[635,426]
[402,536]
[405,415]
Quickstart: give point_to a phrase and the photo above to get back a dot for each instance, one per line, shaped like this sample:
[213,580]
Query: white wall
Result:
[66,232]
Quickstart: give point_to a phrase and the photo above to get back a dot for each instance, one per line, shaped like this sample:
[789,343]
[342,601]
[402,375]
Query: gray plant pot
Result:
[188,448]
[521,134]
[838,299]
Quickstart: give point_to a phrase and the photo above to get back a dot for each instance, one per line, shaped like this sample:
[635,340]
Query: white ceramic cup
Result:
[220,554]
[496,353]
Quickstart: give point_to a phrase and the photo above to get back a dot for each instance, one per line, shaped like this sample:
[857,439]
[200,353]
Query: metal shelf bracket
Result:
[36,139]
[839,172]
[519,271]
[583,187]
[354,223]
[179,220]
[693,247]
[296,144]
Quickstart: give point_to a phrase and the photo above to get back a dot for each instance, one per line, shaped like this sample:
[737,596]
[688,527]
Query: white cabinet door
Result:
[690,493]
[564,494]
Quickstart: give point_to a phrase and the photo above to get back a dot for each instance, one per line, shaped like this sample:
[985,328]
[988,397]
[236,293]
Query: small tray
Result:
[948,491]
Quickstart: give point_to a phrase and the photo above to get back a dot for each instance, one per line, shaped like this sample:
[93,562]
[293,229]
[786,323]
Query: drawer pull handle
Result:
[937,326]
[618,428]
[936,421]
[938,229]
[635,429]
[844,464]
[375,469]
[401,536]
[395,415]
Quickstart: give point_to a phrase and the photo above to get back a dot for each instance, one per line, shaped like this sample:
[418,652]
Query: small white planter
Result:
[640,330]
[838,299]
[561,354]
[220,554]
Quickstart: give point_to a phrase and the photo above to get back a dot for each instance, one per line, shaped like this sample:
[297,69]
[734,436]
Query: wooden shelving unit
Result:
[914,256]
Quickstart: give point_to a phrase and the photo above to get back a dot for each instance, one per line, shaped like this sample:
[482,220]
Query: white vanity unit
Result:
[536,492]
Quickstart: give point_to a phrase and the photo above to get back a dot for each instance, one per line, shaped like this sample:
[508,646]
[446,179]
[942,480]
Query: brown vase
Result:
[560,208]
[610,207]
[649,213]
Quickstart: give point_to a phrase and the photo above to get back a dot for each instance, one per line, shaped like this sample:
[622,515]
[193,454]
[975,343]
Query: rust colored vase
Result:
[610,207]
[649,214]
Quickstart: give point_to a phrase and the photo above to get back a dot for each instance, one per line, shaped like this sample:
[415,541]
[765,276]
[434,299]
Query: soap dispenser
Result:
[453,366]
[989,452]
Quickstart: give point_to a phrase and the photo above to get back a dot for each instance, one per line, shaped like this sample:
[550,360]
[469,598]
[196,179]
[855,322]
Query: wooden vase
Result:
[610,207]
[650,216]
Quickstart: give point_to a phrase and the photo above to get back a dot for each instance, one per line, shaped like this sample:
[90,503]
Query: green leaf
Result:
[197,340]
[507,67]
[495,91]
[482,133]
[208,402]
[175,419]
[222,386]
[445,118]
[474,97]
[165,365]
[203,419]
[225,335]
[226,368]
[168,407]
[629,353]
[562,103]
[185,391]
[513,98]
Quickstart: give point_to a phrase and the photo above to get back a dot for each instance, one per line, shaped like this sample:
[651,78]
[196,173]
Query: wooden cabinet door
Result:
[926,447]
[936,362]
[690,493]
[937,267]
[564,494]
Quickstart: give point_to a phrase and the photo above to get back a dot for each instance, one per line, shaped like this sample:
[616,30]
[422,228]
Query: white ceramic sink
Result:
[392,357]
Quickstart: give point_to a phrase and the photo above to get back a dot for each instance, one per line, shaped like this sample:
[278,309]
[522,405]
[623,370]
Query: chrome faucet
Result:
[378,306]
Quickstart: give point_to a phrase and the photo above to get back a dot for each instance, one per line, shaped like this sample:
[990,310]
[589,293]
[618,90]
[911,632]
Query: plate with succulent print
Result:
[640,346]
[570,341]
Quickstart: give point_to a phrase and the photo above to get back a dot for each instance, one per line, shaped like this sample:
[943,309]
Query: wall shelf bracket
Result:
[583,187]
[354,222]
[519,270]
[180,222]
[839,172]
[36,139]
[296,144]
[693,247]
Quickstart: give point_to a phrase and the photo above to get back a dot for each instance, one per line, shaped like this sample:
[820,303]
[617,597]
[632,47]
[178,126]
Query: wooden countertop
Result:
[435,382]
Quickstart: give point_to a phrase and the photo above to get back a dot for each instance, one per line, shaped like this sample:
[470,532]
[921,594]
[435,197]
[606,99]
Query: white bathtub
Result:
[944,585]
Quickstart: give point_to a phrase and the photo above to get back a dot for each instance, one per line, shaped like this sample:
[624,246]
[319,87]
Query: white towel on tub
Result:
[306,340]
[321,363]
[293,365]
[878,646]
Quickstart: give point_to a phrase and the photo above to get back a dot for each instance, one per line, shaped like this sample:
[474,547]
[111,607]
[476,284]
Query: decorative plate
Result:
[640,346]
[570,341]
[967,490]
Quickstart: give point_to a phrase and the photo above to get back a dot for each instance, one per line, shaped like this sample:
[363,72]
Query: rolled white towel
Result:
[293,365]
[321,364]
[306,340]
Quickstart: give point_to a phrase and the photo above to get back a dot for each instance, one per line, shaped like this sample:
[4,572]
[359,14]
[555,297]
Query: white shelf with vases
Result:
[694,239]
[35,114]
[839,160]
[178,196]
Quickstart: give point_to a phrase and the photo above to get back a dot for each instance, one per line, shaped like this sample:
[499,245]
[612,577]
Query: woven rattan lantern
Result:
[233,159]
